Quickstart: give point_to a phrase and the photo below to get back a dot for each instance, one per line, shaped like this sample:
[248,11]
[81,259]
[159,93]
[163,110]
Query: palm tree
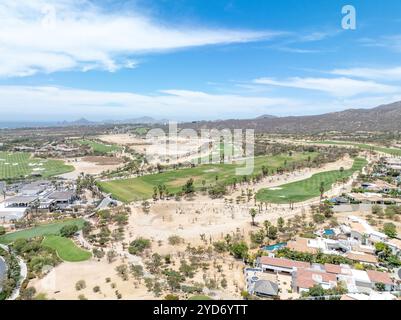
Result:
[253,212]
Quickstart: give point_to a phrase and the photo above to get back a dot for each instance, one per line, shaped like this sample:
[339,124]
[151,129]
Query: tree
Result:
[122,271]
[81,284]
[239,250]
[68,230]
[2,230]
[380,286]
[137,271]
[390,230]
[174,279]
[280,224]
[175,240]
[321,189]
[271,232]
[139,245]
[189,188]
[253,212]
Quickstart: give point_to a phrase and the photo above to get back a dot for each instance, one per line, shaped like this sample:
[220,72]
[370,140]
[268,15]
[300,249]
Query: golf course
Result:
[140,188]
[98,147]
[66,248]
[14,165]
[364,146]
[41,230]
[309,188]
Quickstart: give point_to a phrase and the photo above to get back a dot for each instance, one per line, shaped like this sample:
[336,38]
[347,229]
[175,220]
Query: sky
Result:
[195,59]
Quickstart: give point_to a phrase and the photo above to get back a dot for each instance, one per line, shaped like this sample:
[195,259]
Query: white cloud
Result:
[58,103]
[338,87]
[54,35]
[388,74]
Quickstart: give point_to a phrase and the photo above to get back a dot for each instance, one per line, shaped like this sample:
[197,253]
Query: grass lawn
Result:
[200,297]
[41,230]
[99,147]
[364,146]
[128,190]
[309,188]
[14,165]
[66,248]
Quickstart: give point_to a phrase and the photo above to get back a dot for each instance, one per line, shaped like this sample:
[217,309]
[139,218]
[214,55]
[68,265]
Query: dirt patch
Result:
[103,161]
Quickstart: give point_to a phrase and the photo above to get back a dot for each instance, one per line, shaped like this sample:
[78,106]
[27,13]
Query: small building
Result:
[361,257]
[20,201]
[62,197]
[280,265]
[380,278]
[304,279]
[265,288]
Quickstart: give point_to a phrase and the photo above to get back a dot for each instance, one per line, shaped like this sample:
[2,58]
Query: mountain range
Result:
[382,118]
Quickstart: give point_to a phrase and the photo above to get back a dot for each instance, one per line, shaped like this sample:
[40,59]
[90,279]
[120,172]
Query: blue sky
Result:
[195,59]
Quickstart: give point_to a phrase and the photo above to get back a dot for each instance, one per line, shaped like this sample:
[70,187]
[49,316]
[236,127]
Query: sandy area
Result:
[60,282]
[88,165]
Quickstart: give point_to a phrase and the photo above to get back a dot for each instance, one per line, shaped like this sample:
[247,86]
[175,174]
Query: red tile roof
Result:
[369,258]
[307,278]
[283,263]
[379,277]
[332,268]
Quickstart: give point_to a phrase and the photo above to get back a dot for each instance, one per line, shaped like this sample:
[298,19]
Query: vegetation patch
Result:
[309,188]
[66,248]
[364,146]
[41,230]
[17,165]
[99,147]
[141,188]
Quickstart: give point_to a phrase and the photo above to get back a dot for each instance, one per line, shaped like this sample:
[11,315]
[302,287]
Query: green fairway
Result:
[41,230]
[140,188]
[15,165]
[363,146]
[309,188]
[99,147]
[66,249]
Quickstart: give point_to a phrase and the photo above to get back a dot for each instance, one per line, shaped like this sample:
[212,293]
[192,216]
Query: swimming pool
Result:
[328,232]
[275,246]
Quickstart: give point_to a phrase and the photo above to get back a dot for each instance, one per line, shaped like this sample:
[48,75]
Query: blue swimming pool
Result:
[275,246]
[328,232]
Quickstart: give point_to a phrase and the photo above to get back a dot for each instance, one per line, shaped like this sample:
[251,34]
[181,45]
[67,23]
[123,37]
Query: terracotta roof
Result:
[379,277]
[283,263]
[361,257]
[332,268]
[307,278]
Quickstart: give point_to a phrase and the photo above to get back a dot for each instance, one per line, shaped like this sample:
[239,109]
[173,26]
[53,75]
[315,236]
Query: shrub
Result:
[138,246]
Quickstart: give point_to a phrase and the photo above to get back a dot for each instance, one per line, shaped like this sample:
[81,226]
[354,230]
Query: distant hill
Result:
[382,118]
[267,116]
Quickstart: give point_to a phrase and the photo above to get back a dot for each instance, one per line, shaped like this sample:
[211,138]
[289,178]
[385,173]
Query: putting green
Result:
[309,188]
[128,190]
[66,248]
[41,230]
[14,165]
